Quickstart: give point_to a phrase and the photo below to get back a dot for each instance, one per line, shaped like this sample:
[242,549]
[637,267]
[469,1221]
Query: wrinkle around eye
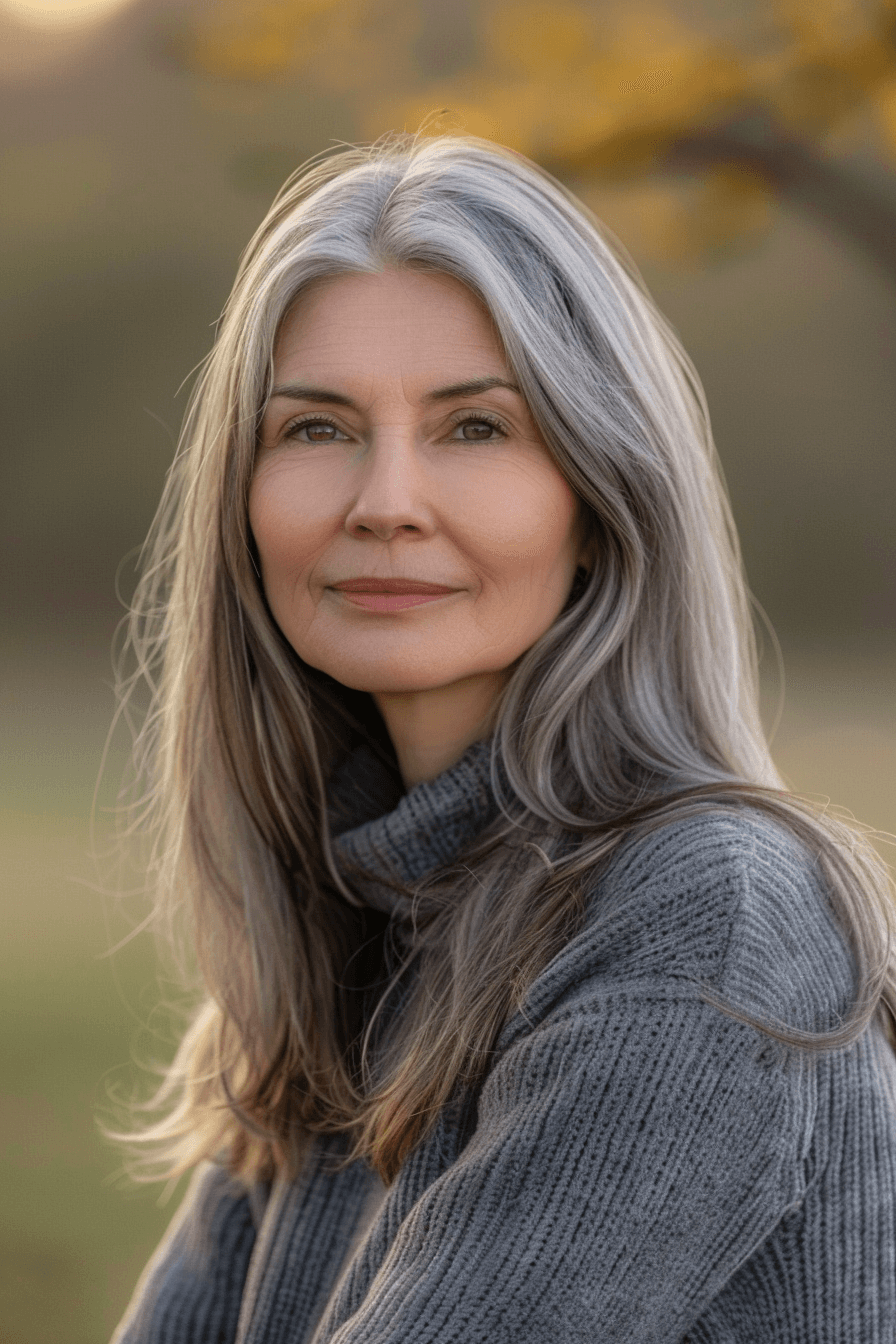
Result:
[292,429]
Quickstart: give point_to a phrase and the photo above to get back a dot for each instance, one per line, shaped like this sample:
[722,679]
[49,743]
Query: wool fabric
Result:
[636,1167]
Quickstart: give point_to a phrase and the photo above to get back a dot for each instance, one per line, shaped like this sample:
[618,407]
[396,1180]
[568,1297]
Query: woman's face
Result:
[395,447]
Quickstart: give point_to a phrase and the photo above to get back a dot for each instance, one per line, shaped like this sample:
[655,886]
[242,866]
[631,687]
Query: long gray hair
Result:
[637,706]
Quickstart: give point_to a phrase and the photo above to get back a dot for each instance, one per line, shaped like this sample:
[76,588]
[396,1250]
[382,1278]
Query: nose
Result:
[391,496]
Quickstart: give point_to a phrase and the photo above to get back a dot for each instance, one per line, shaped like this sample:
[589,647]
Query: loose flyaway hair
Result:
[638,706]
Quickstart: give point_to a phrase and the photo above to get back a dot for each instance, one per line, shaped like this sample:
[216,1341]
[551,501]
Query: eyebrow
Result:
[304,392]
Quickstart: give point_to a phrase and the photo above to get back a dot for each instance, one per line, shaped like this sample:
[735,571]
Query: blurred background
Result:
[745,153]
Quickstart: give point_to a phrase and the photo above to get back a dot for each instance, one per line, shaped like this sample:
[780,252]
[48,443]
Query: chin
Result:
[390,683]
[392,676]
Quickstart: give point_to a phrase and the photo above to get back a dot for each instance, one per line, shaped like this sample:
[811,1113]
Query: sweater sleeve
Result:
[190,1292]
[626,1160]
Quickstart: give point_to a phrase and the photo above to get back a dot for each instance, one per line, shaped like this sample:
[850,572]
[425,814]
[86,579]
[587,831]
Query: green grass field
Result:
[73,1238]
[71,1243]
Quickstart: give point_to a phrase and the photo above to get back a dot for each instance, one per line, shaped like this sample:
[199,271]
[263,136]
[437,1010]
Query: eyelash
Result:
[477,417]
[482,417]
[295,425]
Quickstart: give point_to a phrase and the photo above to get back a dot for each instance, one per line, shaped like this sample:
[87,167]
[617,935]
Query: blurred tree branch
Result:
[611,92]
[816,183]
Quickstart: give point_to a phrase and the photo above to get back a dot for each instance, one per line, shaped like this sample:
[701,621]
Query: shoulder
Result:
[728,899]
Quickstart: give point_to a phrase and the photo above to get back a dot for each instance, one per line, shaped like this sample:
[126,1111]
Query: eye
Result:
[321,429]
[480,428]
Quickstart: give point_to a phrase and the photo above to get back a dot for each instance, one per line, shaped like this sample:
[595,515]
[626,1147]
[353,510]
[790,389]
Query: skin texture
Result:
[400,486]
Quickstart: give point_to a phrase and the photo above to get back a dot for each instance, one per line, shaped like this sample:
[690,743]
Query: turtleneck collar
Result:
[385,834]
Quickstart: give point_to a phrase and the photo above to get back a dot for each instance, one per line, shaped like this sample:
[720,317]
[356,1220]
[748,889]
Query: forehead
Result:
[396,321]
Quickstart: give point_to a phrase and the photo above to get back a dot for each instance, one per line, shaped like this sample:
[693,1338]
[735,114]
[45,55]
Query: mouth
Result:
[392,601]
[375,594]
[367,583]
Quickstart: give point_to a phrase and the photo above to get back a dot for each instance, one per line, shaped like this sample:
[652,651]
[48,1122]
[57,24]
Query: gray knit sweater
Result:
[637,1167]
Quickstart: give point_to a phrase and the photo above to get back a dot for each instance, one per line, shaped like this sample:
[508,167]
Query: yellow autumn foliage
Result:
[726,210]
[835,54]
[505,114]
[686,221]
[885,108]
[605,87]
[628,105]
[540,40]
[611,108]
[610,96]
[261,40]
[831,28]
[591,91]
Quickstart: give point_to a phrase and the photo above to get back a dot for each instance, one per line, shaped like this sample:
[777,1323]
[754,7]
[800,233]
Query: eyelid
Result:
[312,418]
[487,417]
[458,418]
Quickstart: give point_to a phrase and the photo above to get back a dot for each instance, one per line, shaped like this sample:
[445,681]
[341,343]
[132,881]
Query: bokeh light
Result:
[62,15]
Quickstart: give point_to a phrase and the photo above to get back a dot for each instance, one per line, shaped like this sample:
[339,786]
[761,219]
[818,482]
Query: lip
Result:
[368,584]
[394,601]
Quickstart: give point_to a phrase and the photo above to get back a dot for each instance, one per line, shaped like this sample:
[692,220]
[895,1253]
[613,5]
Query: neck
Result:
[431,730]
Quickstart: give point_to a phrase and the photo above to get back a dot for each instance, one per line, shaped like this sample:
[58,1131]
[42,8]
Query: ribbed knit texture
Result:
[636,1168]
[426,828]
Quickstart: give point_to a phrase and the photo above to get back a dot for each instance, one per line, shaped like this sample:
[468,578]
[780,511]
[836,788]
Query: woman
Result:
[534,1008]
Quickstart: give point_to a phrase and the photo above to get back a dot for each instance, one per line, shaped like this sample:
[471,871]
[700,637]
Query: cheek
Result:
[520,519]
[288,521]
